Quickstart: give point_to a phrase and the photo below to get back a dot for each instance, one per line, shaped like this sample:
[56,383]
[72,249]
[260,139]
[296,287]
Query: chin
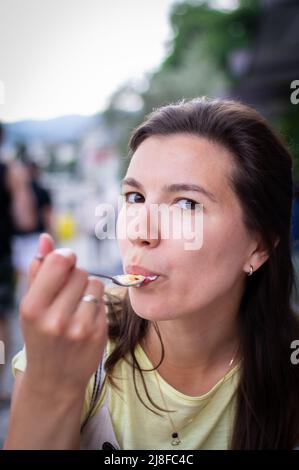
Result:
[150,310]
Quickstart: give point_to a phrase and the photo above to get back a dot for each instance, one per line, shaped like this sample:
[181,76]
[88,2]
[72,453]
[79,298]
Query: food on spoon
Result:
[131,278]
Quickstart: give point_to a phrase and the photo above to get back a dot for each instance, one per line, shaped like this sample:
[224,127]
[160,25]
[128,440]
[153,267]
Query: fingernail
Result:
[64,252]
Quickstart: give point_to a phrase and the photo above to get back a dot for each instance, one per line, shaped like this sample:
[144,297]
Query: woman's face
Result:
[191,280]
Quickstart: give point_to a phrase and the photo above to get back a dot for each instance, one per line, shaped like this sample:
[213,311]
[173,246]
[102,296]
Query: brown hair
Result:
[267,414]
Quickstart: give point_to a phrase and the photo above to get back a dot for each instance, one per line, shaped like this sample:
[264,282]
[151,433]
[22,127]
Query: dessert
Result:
[131,279]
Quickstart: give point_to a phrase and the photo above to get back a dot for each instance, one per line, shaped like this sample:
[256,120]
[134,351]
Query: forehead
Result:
[182,158]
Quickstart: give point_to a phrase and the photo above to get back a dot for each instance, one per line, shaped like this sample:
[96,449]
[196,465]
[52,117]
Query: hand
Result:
[64,336]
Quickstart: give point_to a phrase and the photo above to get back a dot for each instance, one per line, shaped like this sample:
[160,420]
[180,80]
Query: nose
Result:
[143,228]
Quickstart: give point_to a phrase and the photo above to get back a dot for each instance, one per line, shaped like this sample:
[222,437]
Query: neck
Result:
[200,342]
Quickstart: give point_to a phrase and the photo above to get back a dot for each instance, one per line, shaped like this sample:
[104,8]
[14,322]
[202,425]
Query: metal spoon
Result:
[124,279]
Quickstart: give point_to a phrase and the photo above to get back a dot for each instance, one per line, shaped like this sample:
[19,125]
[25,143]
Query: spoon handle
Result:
[102,275]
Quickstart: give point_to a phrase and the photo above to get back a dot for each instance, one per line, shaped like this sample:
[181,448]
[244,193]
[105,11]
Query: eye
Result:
[130,197]
[188,204]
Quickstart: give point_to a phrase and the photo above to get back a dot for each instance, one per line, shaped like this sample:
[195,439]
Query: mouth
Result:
[150,276]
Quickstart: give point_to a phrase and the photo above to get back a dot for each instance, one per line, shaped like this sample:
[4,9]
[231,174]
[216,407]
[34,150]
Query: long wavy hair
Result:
[267,413]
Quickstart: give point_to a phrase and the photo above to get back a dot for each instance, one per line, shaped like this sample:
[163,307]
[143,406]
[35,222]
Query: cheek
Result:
[228,244]
[218,266]
[225,236]
[218,263]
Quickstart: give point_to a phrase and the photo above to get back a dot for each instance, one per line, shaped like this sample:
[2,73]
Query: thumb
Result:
[45,246]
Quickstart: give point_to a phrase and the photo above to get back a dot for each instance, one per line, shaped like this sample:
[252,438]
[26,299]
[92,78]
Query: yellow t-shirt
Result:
[203,422]
[136,427]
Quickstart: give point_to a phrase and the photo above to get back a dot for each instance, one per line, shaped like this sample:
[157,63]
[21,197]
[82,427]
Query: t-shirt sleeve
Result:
[19,362]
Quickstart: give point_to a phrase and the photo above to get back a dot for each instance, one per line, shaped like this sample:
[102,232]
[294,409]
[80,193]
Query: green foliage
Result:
[198,74]
[220,32]
[288,126]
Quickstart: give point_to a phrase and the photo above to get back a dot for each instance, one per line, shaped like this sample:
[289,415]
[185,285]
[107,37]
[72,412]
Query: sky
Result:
[61,57]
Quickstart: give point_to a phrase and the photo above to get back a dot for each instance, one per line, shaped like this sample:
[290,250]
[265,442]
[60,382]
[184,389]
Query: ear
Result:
[259,255]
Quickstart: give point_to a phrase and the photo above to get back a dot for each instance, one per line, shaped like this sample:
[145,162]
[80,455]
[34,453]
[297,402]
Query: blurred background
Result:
[77,76]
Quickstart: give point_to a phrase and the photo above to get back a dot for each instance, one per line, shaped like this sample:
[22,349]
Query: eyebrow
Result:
[173,188]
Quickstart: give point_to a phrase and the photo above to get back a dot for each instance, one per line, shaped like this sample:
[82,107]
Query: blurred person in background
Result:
[43,200]
[16,209]
[26,239]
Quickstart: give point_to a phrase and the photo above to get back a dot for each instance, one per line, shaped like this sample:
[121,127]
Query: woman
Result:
[200,358]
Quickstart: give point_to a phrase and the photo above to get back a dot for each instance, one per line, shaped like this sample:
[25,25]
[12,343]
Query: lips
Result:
[133,269]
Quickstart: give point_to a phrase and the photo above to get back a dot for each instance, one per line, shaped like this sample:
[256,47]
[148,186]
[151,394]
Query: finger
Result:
[53,273]
[45,246]
[87,312]
[67,300]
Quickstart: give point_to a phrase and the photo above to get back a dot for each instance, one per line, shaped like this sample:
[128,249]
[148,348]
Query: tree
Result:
[198,63]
